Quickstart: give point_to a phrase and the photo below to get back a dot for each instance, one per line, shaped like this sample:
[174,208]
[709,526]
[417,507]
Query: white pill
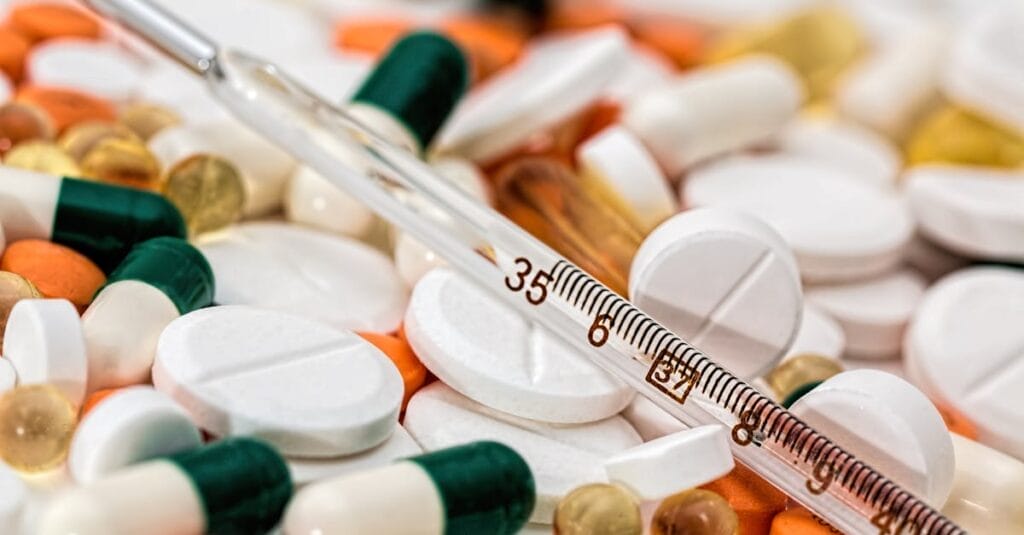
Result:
[673,463]
[873,313]
[714,110]
[887,423]
[99,68]
[862,152]
[44,343]
[965,347]
[265,169]
[557,77]
[8,375]
[131,425]
[971,210]
[650,420]
[645,68]
[839,227]
[724,281]
[491,353]
[619,160]
[306,388]
[818,334]
[328,278]
[13,495]
[931,259]
[399,446]
[561,457]
[312,200]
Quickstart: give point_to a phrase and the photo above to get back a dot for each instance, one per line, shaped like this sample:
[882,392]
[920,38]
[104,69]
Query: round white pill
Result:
[673,463]
[873,313]
[8,375]
[818,334]
[839,227]
[329,278]
[971,210]
[863,153]
[308,389]
[13,495]
[313,200]
[131,425]
[887,423]
[489,352]
[44,343]
[724,281]
[100,68]
[965,347]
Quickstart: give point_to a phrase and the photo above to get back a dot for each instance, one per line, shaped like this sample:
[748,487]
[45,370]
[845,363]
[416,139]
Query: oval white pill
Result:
[725,282]
[8,376]
[306,388]
[99,68]
[45,344]
[818,334]
[863,153]
[840,228]
[886,422]
[673,463]
[13,495]
[329,278]
[965,347]
[489,352]
[313,200]
[131,425]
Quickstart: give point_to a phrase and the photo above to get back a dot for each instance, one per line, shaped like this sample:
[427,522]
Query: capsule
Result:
[794,376]
[100,221]
[481,487]
[233,486]
[987,487]
[160,280]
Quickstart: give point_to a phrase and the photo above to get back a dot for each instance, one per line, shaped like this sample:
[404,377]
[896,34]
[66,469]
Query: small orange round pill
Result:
[13,50]
[67,106]
[800,521]
[40,21]
[414,374]
[94,399]
[489,44]
[372,36]
[755,500]
[55,270]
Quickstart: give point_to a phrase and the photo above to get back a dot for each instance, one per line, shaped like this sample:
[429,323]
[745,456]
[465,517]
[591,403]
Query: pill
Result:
[985,490]
[13,50]
[964,349]
[308,389]
[684,42]
[887,423]
[864,153]
[123,162]
[490,43]
[598,509]
[74,212]
[818,334]
[102,69]
[41,21]
[696,511]
[369,34]
[414,374]
[711,111]
[231,486]
[399,445]
[645,68]
[42,157]
[168,84]
[561,457]
[491,353]
[146,119]
[650,420]
[673,463]
[292,269]
[556,78]
[36,424]
[79,139]
[13,496]
[44,343]
[8,375]
[799,374]
[800,521]
[133,425]
[754,500]
[67,106]
[838,227]
[314,201]
[952,134]
[22,122]
[158,281]
[207,190]
[718,14]
[723,315]
[928,258]
[55,270]
[972,211]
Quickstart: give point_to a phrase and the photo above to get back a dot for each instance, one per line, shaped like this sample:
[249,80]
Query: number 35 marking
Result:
[538,290]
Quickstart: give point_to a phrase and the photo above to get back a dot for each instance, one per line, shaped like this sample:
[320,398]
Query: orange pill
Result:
[956,422]
[583,14]
[414,374]
[40,21]
[755,500]
[13,49]
[372,36]
[490,44]
[55,270]
[67,106]
[94,399]
[800,521]
[680,41]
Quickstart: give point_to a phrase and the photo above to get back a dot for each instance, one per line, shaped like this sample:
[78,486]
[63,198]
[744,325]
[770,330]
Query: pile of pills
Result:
[201,334]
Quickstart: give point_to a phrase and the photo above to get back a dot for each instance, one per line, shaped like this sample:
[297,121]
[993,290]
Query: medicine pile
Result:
[202,333]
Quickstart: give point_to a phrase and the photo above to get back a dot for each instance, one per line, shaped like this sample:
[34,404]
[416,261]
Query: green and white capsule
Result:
[101,221]
[160,280]
[481,487]
[234,486]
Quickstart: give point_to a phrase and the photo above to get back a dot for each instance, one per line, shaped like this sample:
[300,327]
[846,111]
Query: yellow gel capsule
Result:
[13,288]
[147,119]
[124,162]
[42,157]
[207,190]
[695,511]
[598,509]
[952,134]
[82,137]
[818,44]
[799,371]
[578,218]
[36,425]
[20,122]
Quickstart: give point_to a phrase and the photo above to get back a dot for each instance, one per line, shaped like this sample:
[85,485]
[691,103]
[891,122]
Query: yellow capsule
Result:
[147,119]
[578,218]
[695,511]
[78,139]
[818,43]
[800,371]
[36,425]
[13,288]
[20,121]
[952,134]
[124,162]
[43,157]
[207,190]
[598,509]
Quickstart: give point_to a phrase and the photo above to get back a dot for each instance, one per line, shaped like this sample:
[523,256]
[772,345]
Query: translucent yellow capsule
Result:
[818,43]
[598,509]
[20,122]
[125,162]
[577,218]
[147,119]
[43,157]
[798,372]
[695,511]
[13,288]
[952,134]
[82,137]
[36,425]
[207,190]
